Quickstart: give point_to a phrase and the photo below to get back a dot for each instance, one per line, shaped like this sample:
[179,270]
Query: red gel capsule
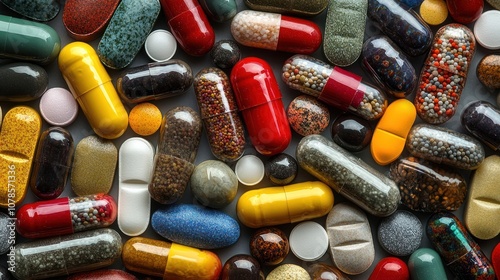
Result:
[259,99]
[495,258]
[390,268]
[189,25]
[465,11]
[65,215]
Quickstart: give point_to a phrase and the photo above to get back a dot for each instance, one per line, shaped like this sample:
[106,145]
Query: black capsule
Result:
[22,81]
[351,133]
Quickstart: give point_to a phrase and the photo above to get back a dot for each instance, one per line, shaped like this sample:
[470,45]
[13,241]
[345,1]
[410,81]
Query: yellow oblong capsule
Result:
[93,88]
[281,205]
[18,139]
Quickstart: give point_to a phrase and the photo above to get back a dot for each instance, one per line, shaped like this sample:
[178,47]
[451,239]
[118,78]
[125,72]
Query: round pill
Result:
[485,30]
[288,271]
[225,54]
[242,266]
[351,133]
[249,170]
[307,115]
[308,241]
[269,246]
[401,233]
[145,119]
[58,107]
[281,169]
[434,12]
[160,45]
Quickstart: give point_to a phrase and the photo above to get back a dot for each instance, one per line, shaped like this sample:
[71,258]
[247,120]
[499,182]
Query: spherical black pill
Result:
[351,133]
[242,266]
[281,169]
[225,54]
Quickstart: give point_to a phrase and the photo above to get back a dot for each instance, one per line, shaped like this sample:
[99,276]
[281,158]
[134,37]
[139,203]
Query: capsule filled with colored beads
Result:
[334,86]
[65,215]
[460,253]
[272,31]
[444,73]
[446,146]
[219,113]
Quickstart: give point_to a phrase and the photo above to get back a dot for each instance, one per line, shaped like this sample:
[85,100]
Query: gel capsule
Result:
[27,40]
[219,10]
[460,253]
[334,86]
[189,25]
[52,163]
[275,32]
[428,187]
[348,175]
[66,254]
[18,139]
[444,73]
[488,71]
[65,215]
[103,274]
[426,264]
[93,88]
[258,97]
[281,205]
[446,146]
[21,82]
[482,119]
[170,260]
[299,8]
[390,268]
[180,135]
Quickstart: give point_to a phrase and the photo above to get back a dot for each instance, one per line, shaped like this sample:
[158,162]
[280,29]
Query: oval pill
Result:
[389,136]
[288,271]
[196,226]
[390,268]
[426,264]
[103,274]
[488,71]
[21,82]
[219,10]
[135,166]
[351,241]
[281,205]
[465,12]
[307,115]
[242,266]
[299,8]
[348,175]
[482,120]
[351,132]
[269,245]
[38,10]
[283,33]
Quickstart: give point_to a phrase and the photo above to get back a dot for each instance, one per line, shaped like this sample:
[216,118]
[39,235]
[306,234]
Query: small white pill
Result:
[249,170]
[160,45]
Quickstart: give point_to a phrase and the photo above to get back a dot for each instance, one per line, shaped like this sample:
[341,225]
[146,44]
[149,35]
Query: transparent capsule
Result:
[482,119]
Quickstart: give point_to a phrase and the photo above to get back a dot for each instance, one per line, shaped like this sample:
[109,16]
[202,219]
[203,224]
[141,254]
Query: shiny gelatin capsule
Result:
[390,268]
[93,88]
[65,215]
[426,264]
[482,119]
[28,40]
[299,8]
[275,32]
[21,81]
[334,86]
[460,253]
[170,260]
[283,205]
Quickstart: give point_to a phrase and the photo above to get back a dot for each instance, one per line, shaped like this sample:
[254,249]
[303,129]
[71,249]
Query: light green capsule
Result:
[425,264]
[344,31]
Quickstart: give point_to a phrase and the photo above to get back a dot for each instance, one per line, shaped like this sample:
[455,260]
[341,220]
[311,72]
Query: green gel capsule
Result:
[425,264]
[219,10]
[291,7]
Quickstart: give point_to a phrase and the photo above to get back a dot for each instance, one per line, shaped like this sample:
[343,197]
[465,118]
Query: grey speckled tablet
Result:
[39,10]
[127,31]
[344,31]
[4,233]
[401,233]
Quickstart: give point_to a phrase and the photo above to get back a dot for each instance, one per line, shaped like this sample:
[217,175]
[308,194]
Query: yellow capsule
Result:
[281,205]
[18,139]
[93,88]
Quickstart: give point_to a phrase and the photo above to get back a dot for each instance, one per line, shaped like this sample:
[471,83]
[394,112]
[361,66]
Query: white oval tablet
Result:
[160,45]
[486,30]
[58,107]
[249,170]
[308,241]
[135,167]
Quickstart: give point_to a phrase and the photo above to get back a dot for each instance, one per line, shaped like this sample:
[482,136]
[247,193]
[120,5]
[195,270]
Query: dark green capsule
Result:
[22,81]
[219,10]
[292,7]
[40,10]
[425,264]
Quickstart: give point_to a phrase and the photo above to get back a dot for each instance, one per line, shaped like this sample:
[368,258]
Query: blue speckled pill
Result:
[196,226]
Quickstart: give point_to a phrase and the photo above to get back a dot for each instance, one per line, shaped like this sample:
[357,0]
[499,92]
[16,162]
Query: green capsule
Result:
[425,264]
[219,10]
[292,7]
[40,10]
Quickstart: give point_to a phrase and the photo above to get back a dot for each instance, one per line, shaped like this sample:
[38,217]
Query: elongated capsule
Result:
[482,119]
[65,215]
[426,264]
[39,10]
[21,81]
[275,32]
[299,8]
[283,205]
[93,88]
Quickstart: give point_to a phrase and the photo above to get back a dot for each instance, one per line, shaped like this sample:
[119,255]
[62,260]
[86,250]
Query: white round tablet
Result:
[308,241]
[160,45]
[249,170]
[58,107]
[486,30]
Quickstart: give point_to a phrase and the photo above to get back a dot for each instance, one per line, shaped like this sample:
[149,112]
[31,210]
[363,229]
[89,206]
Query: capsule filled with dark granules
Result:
[348,175]
[482,119]
[460,253]
[427,187]
[219,113]
[66,254]
[154,81]
[488,71]
[52,163]
[180,135]
[443,145]
[21,81]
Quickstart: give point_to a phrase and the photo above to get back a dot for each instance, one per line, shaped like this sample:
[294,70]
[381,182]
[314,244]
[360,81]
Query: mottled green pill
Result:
[219,10]
[292,7]
[344,31]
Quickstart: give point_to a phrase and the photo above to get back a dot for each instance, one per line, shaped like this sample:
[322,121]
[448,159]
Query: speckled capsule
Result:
[269,245]
[488,71]
[348,175]
[196,226]
[243,267]
[388,66]
[460,253]
[307,115]
[299,8]
[180,135]
[219,113]
[443,145]
[38,10]
[21,82]
[482,120]
[154,81]
[402,25]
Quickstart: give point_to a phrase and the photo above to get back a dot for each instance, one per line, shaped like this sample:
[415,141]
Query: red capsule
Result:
[259,99]
[495,258]
[65,215]
[465,11]
[189,25]
[390,268]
